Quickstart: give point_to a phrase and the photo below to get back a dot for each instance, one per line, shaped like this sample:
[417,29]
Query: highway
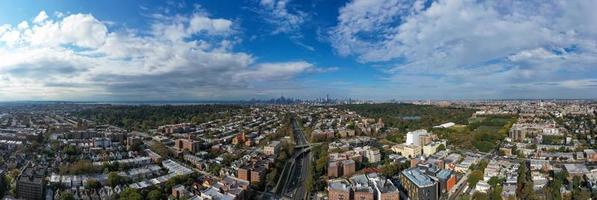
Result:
[292,182]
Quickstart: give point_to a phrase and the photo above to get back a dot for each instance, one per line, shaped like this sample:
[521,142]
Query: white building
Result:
[373,155]
[430,149]
[414,137]
[446,125]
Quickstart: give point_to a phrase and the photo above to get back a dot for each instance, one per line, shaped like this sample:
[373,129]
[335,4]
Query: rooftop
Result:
[417,177]
[444,174]
[339,184]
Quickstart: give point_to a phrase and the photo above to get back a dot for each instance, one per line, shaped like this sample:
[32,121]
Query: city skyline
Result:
[240,50]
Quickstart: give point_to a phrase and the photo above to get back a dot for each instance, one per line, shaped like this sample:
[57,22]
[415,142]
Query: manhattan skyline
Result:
[262,49]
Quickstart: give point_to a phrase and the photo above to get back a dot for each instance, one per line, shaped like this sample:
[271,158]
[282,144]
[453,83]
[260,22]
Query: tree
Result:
[179,179]
[114,179]
[155,195]
[215,169]
[130,194]
[496,193]
[111,166]
[576,182]
[70,150]
[475,177]
[322,160]
[464,197]
[525,183]
[66,196]
[272,177]
[494,181]
[479,196]
[78,167]
[441,147]
[160,149]
[389,169]
[93,184]
[581,194]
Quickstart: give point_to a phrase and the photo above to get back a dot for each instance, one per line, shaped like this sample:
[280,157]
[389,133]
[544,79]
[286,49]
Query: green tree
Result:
[576,182]
[160,149]
[581,194]
[389,169]
[114,179]
[475,177]
[155,195]
[322,160]
[494,181]
[111,166]
[441,147]
[496,193]
[479,196]
[130,194]
[93,184]
[66,196]
[272,177]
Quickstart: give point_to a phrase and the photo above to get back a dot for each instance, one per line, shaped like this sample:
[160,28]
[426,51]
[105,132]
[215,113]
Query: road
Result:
[292,182]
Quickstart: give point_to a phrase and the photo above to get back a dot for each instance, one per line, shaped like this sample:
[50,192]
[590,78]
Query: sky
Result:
[237,50]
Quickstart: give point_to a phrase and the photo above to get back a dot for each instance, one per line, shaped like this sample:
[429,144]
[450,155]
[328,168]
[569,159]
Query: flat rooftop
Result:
[417,177]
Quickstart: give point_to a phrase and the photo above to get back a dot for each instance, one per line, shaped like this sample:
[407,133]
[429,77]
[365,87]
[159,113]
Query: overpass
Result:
[307,145]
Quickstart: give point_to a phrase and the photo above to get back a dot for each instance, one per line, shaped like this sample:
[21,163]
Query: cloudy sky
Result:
[243,49]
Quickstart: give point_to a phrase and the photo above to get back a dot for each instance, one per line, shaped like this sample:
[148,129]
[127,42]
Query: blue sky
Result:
[228,50]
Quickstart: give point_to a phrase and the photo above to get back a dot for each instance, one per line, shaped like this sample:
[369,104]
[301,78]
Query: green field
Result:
[408,117]
[482,133]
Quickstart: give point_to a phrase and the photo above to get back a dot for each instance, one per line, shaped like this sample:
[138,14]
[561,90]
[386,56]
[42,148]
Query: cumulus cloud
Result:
[285,20]
[41,17]
[277,13]
[504,44]
[78,56]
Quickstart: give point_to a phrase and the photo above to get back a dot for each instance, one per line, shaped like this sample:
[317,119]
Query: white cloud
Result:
[576,84]
[276,12]
[40,18]
[183,57]
[277,71]
[504,44]
[82,30]
[23,25]
[201,23]
[538,53]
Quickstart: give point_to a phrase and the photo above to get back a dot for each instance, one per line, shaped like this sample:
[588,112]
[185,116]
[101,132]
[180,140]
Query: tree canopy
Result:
[130,194]
[146,117]
[411,117]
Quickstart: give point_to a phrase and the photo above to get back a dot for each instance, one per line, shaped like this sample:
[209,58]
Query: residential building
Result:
[373,155]
[188,145]
[31,183]
[272,148]
[348,167]
[133,141]
[362,190]
[447,180]
[339,189]
[244,174]
[333,169]
[418,185]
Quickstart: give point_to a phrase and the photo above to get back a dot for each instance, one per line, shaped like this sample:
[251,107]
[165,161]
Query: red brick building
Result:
[187,144]
[333,169]
[348,167]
